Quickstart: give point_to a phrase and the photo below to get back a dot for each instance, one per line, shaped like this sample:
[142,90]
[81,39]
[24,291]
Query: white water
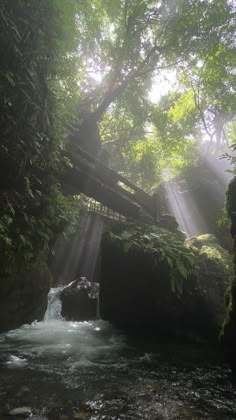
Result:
[92,366]
[59,346]
[54,305]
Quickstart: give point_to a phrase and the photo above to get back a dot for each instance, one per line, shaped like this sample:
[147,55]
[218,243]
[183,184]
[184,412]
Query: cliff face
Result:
[23,297]
[228,334]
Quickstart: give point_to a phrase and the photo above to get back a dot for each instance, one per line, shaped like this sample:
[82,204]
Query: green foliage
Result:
[104,54]
[183,109]
[174,122]
[223,220]
[162,245]
[210,70]
[134,41]
[37,41]
[208,247]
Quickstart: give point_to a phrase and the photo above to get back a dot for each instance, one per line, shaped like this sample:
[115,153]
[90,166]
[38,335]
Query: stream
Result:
[63,370]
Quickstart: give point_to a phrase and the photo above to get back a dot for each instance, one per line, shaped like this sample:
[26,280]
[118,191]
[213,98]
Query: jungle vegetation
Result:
[106,61]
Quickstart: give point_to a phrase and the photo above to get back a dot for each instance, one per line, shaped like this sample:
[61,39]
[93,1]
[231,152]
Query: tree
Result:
[134,42]
[91,63]
[209,72]
[128,45]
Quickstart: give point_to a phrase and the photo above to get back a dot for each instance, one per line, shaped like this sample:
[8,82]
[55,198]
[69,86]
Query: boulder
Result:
[23,297]
[169,222]
[151,280]
[215,273]
[80,300]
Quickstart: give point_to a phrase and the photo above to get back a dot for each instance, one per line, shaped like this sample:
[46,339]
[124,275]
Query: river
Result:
[60,370]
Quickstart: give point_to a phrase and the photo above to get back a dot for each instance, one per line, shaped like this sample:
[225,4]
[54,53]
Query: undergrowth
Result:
[161,244]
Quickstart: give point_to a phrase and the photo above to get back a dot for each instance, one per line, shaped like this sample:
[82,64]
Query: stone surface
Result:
[23,298]
[20,411]
[135,294]
[214,275]
[79,300]
[169,222]
[228,333]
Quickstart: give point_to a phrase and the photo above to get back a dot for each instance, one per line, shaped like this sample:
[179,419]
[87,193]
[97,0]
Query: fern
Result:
[161,244]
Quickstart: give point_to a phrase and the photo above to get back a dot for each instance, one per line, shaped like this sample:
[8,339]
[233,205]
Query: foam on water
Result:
[110,372]
[56,345]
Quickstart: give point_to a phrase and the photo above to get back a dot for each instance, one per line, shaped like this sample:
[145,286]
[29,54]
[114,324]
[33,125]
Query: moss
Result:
[208,247]
[222,258]
[228,332]
[199,241]
[215,274]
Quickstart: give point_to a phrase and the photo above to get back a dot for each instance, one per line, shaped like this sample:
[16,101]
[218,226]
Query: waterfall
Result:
[54,305]
[78,258]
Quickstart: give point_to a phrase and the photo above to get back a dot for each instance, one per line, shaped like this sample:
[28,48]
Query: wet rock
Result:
[228,333]
[23,297]
[215,273]
[169,222]
[20,411]
[79,300]
[136,290]
[80,414]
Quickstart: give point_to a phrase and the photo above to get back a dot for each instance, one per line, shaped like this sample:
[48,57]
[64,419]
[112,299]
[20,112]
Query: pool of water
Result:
[88,370]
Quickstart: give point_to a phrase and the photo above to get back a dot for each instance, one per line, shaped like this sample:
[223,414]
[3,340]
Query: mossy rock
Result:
[23,296]
[139,263]
[228,332]
[199,241]
[169,222]
[219,260]
[215,274]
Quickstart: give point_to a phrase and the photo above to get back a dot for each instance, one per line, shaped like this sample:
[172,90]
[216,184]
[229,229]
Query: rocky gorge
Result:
[161,298]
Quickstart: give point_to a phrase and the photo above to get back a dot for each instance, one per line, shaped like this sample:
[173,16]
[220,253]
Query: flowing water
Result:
[88,370]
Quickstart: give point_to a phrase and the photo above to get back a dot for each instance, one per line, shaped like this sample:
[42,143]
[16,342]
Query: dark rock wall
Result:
[23,299]
[79,300]
[126,288]
[228,335]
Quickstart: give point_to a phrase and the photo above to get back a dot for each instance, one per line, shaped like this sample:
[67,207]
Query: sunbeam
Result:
[197,199]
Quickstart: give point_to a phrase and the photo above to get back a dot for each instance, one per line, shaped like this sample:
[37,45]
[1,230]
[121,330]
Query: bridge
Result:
[94,207]
[95,179]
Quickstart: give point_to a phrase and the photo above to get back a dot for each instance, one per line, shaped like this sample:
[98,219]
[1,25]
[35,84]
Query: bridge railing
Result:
[98,208]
